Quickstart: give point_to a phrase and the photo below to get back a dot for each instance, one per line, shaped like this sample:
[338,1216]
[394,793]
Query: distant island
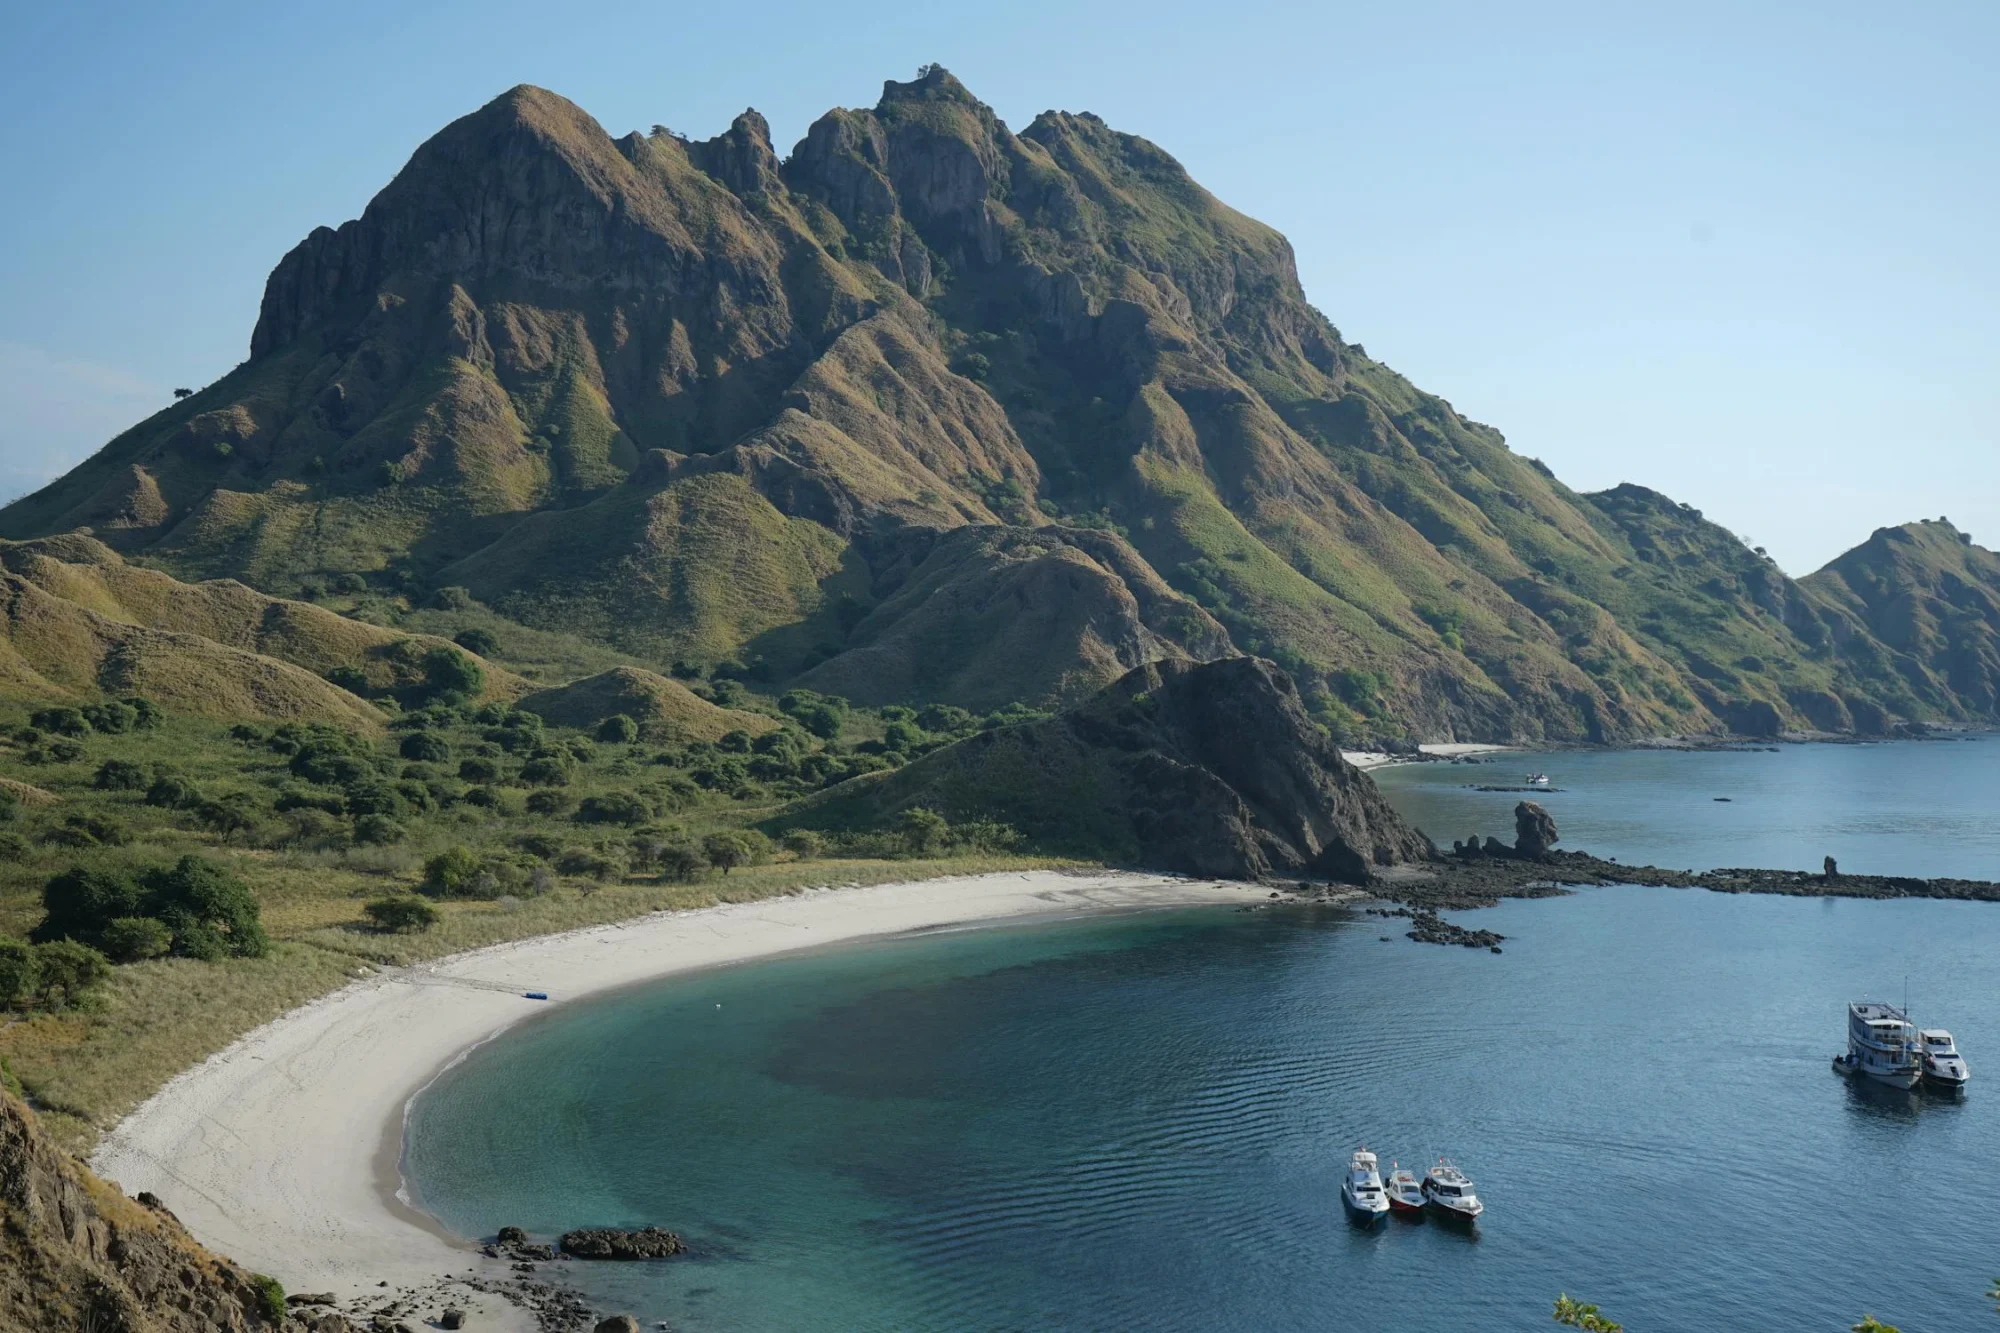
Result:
[603,526]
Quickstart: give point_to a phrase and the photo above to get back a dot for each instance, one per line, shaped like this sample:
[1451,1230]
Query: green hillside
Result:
[931,411]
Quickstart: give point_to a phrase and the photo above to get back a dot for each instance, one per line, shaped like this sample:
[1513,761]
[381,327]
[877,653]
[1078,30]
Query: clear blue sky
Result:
[1744,254]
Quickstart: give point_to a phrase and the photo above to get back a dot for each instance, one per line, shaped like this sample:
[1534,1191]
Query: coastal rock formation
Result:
[1210,769]
[1534,831]
[75,1254]
[611,1243]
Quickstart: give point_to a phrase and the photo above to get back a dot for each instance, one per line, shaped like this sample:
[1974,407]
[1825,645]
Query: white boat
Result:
[1406,1196]
[1361,1188]
[1943,1067]
[1882,1045]
[1449,1192]
[1536,779]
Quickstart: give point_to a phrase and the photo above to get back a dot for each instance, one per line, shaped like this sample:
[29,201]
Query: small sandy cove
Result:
[1366,759]
[281,1151]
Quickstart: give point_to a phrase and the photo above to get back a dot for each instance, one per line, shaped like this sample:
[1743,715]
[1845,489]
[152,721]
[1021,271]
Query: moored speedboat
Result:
[1536,779]
[1449,1193]
[1944,1069]
[1361,1188]
[1882,1044]
[1406,1196]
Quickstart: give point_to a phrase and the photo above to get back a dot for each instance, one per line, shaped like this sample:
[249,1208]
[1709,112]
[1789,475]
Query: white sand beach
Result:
[281,1151]
[1366,759]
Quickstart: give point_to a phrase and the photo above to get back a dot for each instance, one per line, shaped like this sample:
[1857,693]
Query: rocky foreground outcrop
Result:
[76,1254]
[1208,769]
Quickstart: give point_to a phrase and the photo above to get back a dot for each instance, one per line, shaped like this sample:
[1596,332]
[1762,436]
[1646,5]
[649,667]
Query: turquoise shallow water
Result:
[1139,1122]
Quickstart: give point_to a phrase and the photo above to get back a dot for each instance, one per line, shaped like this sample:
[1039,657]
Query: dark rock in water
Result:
[1211,769]
[1534,831]
[1832,869]
[608,1243]
[618,1323]
[511,1236]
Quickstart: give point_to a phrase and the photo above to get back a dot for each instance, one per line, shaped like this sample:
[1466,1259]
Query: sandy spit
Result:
[281,1150]
[1366,759]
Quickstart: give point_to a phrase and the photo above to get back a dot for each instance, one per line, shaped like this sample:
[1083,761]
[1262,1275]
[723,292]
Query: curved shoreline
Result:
[283,1150]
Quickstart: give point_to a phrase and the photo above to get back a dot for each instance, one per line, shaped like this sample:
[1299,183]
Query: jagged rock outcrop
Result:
[612,1243]
[1209,769]
[75,1254]
[1534,831]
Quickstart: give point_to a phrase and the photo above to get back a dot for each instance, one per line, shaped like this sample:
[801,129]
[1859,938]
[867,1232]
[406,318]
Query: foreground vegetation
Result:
[167,885]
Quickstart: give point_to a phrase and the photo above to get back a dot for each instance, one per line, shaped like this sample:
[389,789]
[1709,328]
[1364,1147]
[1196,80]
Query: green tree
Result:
[173,792]
[451,673]
[680,861]
[78,903]
[131,939]
[617,807]
[923,832]
[401,912]
[804,843]
[425,747]
[119,775]
[69,972]
[618,729]
[451,872]
[211,913]
[20,973]
[727,850]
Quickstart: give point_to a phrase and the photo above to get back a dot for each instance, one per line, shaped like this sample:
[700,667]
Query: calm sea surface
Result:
[1139,1122]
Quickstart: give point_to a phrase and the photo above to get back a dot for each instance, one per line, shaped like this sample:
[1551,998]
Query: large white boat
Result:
[1361,1188]
[1943,1067]
[1882,1045]
[1450,1194]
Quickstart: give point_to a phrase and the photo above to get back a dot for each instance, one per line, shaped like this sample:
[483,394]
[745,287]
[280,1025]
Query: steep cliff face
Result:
[697,401]
[1210,769]
[75,1254]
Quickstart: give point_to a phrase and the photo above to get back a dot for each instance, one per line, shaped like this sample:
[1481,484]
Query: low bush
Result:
[120,775]
[618,807]
[401,912]
[131,939]
[618,729]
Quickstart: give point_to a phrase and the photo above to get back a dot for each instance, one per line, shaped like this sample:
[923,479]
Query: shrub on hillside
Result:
[401,912]
[207,912]
[131,939]
[680,861]
[85,830]
[923,832]
[550,770]
[120,775]
[451,872]
[352,679]
[618,807]
[378,830]
[477,641]
[173,791]
[589,863]
[728,849]
[804,843]
[548,802]
[478,770]
[449,673]
[62,721]
[13,847]
[618,729]
[20,973]
[426,747]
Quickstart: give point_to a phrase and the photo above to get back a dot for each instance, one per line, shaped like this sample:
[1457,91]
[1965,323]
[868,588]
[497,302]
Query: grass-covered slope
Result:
[684,400]
[1931,598]
[1210,769]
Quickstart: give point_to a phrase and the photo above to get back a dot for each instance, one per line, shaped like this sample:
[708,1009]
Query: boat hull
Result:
[1358,1212]
[1446,1213]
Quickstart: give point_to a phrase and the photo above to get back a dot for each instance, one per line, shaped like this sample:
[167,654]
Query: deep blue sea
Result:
[1139,1122]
